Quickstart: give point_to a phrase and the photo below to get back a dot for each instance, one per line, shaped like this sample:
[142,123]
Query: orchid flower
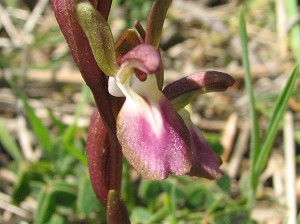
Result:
[135,113]
[154,137]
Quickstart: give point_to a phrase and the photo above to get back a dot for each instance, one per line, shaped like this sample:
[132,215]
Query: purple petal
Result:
[145,58]
[154,29]
[205,163]
[154,138]
[155,21]
[183,91]
[125,43]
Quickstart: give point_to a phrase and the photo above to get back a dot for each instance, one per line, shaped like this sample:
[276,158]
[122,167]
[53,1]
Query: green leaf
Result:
[160,215]
[56,122]
[41,132]
[65,193]
[293,12]
[232,215]
[168,188]
[70,132]
[196,196]
[224,183]
[276,118]
[87,202]
[140,215]
[128,192]
[76,153]
[65,164]
[11,3]
[9,144]
[46,206]
[51,195]
[57,219]
[7,59]
[149,190]
[248,82]
[99,35]
[173,205]
[22,187]
[255,140]
[27,173]
[213,140]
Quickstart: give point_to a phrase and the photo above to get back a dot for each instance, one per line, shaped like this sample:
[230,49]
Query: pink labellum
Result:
[154,137]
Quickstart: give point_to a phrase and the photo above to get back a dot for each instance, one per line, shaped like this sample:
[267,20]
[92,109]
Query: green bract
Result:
[99,36]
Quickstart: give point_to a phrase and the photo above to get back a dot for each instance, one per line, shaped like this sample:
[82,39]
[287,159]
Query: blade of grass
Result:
[275,120]
[173,206]
[70,132]
[160,215]
[293,13]
[51,195]
[10,144]
[85,93]
[255,140]
[86,202]
[79,155]
[46,206]
[27,174]
[41,132]
[128,194]
[56,121]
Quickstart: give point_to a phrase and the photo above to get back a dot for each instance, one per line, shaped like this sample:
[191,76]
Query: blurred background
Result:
[45,109]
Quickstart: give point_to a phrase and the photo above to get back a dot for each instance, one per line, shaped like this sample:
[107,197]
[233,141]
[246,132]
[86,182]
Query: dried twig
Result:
[290,171]
[8,207]
[35,15]
[239,150]
[9,26]
[228,135]
[24,137]
[281,28]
